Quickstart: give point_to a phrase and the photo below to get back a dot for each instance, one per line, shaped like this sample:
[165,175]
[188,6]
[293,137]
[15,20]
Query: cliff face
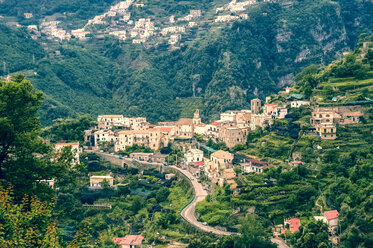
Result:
[223,64]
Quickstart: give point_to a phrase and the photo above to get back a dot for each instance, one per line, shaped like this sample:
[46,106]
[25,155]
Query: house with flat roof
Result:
[193,155]
[97,181]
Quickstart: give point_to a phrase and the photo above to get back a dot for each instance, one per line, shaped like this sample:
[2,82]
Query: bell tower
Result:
[196,118]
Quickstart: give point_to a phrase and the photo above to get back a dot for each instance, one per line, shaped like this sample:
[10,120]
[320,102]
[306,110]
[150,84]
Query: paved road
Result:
[279,242]
[188,213]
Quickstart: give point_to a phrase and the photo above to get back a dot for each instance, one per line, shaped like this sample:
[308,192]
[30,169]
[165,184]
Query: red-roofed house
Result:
[254,166]
[332,217]
[292,224]
[212,129]
[129,241]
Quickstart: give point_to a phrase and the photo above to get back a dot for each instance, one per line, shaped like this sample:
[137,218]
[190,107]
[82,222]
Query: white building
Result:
[194,155]
[74,149]
[297,104]
[104,136]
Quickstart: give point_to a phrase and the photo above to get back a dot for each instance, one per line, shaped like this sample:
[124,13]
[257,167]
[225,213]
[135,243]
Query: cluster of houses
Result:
[232,128]
[331,218]
[232,10]
[141,30]
[324,120]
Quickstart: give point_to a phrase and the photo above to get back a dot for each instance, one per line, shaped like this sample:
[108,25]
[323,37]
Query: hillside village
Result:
[119,22]
[133,138]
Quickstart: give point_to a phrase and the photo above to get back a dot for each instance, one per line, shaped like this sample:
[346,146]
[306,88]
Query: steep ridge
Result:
[223,63]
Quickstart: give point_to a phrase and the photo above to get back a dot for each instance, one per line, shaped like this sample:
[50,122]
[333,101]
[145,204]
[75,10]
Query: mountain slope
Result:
[225,64]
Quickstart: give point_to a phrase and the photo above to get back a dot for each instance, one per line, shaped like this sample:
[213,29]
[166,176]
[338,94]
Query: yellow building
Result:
[327,132]
[97,181]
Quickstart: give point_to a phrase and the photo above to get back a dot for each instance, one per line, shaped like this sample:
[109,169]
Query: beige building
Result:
[104,135]
[109,121]
[229,115]
[97,181]
[184,128]
[129,241]
[221,159]
[232,135]
[243,119]
[260,120]
[141,156]
[212,130]
[200,129]
[150,138]
[256,105]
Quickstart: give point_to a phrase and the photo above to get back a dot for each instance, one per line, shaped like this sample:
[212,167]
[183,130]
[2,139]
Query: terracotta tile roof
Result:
[67,144]
[354,114]
[163,129]
[111,116]
[201,125]
[199,163]
[229,173]
[232,111]
[333,214]
[222,154]
[257,161]
[271,104]
[129,240]
[185,121]
[134,132]
[294,224]
[215,123]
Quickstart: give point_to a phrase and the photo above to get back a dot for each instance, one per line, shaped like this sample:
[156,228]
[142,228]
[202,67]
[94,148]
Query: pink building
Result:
[332,218]
[129,241]
[292,224]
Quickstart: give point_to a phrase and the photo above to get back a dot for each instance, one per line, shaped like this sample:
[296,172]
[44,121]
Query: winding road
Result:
[188,212]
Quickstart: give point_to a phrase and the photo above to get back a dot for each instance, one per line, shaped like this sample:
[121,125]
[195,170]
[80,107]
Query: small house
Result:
[97,181]
[129,241]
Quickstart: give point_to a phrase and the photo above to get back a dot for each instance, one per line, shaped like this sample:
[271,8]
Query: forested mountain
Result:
[218,66]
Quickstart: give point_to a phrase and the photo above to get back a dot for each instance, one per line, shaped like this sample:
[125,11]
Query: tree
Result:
[313,235]
[24,155]
[28,223]
[162,194]
[252,235]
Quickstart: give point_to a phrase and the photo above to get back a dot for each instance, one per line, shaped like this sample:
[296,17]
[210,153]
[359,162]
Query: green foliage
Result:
[162,194]
[136,148]
[17,50]
[253,234]
[20,140]
[28,223]
[68,129]
[217,146]
[314,234]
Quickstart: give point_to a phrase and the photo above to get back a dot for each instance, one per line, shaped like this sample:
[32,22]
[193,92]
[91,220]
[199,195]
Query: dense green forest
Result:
[228,64]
